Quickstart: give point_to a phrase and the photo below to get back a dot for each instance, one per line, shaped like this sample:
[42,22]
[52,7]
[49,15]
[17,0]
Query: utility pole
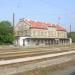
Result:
[13,19]
[70,30]
[58,26]
[59,20]
[13,23]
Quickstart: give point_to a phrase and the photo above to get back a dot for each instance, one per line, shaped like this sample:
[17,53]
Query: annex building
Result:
[30,33]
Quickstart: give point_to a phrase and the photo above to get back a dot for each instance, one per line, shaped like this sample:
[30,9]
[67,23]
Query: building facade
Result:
[29,33]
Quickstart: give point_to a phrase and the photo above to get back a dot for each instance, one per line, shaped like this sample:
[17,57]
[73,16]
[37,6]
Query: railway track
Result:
[25,59]
[21,54]
[16,61]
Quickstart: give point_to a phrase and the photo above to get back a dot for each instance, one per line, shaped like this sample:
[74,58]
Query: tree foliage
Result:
[6,33]
[72,35]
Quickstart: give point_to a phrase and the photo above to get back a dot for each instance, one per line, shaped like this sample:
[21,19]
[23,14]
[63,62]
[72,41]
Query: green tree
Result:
[6,33]
[72,36]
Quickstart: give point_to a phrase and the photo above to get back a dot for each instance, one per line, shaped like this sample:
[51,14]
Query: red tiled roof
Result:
[49,25]
[59,28]
[37,24]
[44,25]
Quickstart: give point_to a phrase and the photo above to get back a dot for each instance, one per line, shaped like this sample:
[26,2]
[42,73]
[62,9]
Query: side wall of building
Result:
[43,33]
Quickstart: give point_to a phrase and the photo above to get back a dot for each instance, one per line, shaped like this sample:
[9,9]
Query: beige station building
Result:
[31,33]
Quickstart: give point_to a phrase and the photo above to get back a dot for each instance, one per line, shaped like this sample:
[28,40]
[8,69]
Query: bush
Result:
[6,33]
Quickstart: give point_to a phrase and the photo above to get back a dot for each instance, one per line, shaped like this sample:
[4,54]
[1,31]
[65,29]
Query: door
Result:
[23,42]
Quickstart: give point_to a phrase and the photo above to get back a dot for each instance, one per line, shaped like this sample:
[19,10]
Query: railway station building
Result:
[31,33]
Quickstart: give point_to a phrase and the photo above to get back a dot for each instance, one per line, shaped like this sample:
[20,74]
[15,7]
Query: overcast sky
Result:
[53,11]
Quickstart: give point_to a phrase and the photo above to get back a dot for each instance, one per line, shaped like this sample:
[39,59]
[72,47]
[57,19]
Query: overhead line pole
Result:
[70,30]
[13,20]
